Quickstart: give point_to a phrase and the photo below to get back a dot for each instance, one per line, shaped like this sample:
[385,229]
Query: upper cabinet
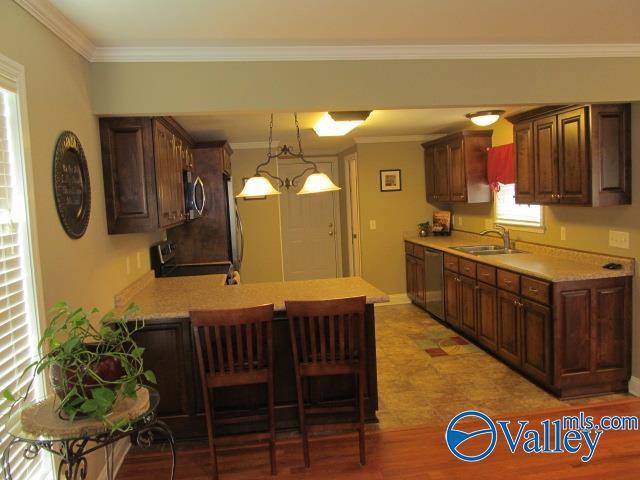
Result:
[575,155]
[143,160]
[456,167]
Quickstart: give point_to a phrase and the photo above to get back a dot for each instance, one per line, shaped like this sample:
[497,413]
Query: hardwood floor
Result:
[408,453]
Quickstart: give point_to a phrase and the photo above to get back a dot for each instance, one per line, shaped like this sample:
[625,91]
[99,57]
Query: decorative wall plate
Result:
[71,185]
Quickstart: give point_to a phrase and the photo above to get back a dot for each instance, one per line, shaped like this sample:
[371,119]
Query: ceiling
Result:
[413,124]
[191,23]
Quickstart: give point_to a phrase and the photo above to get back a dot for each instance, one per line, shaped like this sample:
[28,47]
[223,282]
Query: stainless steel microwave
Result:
[195,197]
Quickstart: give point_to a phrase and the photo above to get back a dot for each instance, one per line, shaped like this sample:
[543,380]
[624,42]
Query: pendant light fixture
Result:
[259,185]
[485,118]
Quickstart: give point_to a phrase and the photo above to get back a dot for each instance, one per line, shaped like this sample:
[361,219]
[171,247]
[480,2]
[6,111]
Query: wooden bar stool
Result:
[239,351]
[327,338]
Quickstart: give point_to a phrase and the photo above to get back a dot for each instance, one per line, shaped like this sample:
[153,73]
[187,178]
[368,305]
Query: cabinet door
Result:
[441,173]
[457,173]
[525,172]
[546,160]
[573,158]
[411,277]
[468,306]
[509,328]
[429,173]
[536,340]
[420,291]
[128,172]
[487,316]
[164,183]
[452,298]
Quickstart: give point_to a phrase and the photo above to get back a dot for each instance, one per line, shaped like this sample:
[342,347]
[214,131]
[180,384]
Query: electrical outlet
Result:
[618,239]
[563,233]
[372,225]
[459,220]
[128,264]
[138,261]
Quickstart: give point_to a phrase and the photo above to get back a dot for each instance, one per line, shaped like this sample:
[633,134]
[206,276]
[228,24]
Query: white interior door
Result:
[309,229]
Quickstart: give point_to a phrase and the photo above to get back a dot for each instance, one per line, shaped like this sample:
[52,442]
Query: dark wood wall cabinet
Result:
[456,167]
[169,352]
[573,338]
[143,160]
[573,155]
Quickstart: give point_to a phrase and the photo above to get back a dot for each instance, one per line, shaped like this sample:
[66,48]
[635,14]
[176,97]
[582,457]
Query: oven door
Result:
[195,196]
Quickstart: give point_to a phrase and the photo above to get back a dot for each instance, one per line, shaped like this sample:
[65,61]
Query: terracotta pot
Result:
[108,369]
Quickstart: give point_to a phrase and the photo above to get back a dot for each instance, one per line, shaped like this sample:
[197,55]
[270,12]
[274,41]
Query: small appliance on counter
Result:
[441,223]
[163,263]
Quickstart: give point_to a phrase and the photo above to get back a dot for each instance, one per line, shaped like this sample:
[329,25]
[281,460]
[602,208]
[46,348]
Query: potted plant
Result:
[91,365]
[424,229]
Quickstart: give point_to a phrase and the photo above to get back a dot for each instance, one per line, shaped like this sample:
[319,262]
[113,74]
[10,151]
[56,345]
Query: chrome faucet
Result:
[503,232]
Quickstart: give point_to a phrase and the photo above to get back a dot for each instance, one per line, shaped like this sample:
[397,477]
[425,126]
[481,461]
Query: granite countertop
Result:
[538,261]
[173,297]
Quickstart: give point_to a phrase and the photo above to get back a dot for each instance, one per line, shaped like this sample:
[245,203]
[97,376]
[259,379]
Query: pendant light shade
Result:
[257,187]
[318,183]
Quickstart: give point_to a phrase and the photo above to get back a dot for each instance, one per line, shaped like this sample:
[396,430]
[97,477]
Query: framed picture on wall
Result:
[390,181]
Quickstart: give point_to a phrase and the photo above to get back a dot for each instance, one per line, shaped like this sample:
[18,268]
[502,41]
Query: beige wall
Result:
[261,221]
[85,272]
[394,212]
[187,87]
[586,228]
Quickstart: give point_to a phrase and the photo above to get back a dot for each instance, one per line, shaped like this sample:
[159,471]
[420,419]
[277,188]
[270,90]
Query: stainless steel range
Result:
[163,263]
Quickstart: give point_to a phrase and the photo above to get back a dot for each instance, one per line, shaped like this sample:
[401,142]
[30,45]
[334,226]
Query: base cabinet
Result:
[415,274]
[573,338]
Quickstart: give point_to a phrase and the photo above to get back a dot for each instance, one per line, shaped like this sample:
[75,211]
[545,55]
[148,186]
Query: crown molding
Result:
[366,52]
[396,139]
[60,25]
[253,145]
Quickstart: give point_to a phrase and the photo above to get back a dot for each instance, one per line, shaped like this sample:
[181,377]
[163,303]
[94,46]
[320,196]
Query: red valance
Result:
[501,166]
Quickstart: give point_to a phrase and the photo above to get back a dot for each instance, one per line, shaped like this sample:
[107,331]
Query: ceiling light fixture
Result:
[336,124]
[259,185]
[485,118]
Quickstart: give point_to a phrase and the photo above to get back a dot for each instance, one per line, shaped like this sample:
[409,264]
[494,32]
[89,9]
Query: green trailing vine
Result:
[91,365]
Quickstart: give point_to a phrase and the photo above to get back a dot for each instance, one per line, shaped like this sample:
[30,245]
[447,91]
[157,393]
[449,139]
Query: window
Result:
[511,213]
[18,315]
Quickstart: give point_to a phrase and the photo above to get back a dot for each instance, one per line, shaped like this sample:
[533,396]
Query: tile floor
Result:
[427,373]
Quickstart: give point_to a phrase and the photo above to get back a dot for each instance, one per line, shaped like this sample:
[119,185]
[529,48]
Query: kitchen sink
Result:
[487,250]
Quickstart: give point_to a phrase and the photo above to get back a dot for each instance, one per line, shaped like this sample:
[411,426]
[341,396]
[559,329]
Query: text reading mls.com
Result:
[573,434]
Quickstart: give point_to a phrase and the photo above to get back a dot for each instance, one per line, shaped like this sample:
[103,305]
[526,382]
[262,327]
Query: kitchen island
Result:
[165,304]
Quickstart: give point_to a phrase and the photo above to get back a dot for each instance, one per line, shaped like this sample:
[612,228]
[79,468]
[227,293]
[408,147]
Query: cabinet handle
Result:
[508,282]
[533,290]
[477,287]
[484,275]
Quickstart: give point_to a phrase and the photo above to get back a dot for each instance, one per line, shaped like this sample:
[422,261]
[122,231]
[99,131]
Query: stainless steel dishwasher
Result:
[433,272]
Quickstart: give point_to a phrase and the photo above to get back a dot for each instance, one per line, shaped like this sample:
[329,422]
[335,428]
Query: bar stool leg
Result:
[301,419]
[272,428]
[360,379]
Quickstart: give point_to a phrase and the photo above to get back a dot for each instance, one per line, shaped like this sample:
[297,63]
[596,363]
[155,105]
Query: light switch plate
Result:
[563,233]
[459,217]
[372,225]
[618,239]
[128,265]
[138,261]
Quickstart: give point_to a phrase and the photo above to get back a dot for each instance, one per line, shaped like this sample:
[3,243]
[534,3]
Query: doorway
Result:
[309,225]
[353,213]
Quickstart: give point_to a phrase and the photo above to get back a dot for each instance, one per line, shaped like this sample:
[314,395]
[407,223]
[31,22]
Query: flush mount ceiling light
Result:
[336,124]
[259,185]
[485,118]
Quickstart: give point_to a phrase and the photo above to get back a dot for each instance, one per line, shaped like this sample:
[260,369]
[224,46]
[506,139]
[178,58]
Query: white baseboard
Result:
[396,299]
[634,386]
[120,451]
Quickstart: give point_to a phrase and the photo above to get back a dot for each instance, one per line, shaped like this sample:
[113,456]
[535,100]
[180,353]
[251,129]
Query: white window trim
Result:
[13,75]
[519,226]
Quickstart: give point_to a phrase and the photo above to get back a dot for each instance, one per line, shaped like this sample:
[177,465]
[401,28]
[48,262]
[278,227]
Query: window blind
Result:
[18,320]
[509,212]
